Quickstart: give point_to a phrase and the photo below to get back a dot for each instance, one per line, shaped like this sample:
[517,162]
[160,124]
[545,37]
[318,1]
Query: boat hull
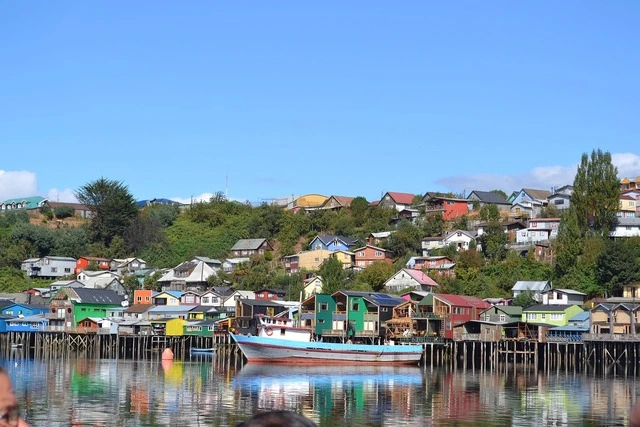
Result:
[277,351]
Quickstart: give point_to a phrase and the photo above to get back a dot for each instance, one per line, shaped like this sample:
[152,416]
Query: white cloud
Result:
[542,177]
[17,184]
[66,195]
[204,197]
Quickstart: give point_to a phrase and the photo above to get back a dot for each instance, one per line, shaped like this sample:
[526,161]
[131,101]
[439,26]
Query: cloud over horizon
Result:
[542,177]
[15,184]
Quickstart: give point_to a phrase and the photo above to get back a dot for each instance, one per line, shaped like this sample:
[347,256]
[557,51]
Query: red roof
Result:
[402,198]
[463,301]
[420,277]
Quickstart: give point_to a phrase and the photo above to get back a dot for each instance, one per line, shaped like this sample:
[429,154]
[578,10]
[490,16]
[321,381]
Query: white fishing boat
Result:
[279,342]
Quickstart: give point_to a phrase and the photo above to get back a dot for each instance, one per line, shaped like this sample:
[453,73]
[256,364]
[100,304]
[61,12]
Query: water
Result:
[208,391]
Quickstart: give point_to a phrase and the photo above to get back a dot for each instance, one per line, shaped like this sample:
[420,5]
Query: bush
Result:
[47,212]
[62,212]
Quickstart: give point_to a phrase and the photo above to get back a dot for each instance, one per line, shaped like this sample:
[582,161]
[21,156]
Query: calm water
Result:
[208,391]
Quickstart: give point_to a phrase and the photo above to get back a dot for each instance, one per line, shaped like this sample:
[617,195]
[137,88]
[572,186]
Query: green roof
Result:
[32,202]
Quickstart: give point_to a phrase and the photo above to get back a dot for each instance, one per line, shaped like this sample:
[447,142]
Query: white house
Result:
[537,288]
[626,227]
[431,243]
[539,229]
[461,239]
[563,297]
[408,278]
[312,286]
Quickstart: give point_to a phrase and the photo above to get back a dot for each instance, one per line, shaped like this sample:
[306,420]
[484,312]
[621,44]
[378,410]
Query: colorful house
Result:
[502,314]
[249,247]
[408,278]
[312,285]
[330,242]
[35,323]
[17,309]
[305,260]
[69,305]
[270,294]
[450,207]
[143,296]
[201,328]
[84,261]
[171,298]
[190,298]
[346,258]
[443,312]
[556,315]
[396,200]
[367,255]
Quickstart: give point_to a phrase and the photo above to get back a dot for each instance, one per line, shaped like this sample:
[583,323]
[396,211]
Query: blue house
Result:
[573,331]
[333,243]
[36,323]
[18,309]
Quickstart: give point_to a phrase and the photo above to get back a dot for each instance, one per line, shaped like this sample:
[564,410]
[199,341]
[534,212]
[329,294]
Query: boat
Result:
[16,346]
[203,350]
[278,341]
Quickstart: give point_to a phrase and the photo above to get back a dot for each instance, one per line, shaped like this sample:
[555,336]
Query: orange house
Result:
[83,262]
[369,254]
[143,296]
[451,208]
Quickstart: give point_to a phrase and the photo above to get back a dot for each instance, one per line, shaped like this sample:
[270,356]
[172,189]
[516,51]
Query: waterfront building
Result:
[563,297]
[23,310]
[445,311]
[553,315]
[69,305]
[34,323]
[502,314]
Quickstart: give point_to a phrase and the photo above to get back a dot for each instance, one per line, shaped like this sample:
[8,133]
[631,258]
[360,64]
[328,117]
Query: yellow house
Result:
[627,207]
[171,298]
[175,327]
[312,286]
[631,291]
[311,260]
[345,257]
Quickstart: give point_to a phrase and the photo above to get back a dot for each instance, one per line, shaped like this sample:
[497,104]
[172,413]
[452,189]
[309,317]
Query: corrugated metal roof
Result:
[98,296]
[527,285]
[248,244]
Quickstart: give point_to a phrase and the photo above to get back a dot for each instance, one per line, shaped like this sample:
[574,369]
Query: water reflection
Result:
[214,392]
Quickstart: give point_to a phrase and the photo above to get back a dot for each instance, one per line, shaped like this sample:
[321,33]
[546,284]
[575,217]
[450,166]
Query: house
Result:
[539,229]
[23,203]
[615,318]
[397,201]
[211,262]
[502,314]
[69,305]
[408,214]
[556,315]
[368,254]
[229,265]
[189,275]
[450,207]
[332,243]
[270,294]
[626,206]
[573,331]
[312,286]
[375,239]
[230,301]
[361,315]
[23,310]
[170,327]
[79,210]
[127,265]
[247,309]
[537,288]
[629,183]
[84,262]
[461,239]
[32,323]
[431,243]
[479,199]
[248,247]
[511,228]
[410,279]
[529,195]
[211,298]
[561,198]
[626,227]
[525,210]
[305,260]
[201,328]
[143,296]
[168,298]
[55,286]
[346,258]
[137,311]
[563,297]
[337,202]
[49,267]
[443,265]
[446,311]
[169,312]
[96,279]
[190,298]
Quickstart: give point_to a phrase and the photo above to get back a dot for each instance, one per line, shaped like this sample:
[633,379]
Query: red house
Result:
[443,265]
[83,262]
[451,208]
[369,254]
[457,309]
[271,294]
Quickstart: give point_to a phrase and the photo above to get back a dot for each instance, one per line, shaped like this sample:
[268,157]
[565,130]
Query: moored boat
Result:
[203,350]
[279,342]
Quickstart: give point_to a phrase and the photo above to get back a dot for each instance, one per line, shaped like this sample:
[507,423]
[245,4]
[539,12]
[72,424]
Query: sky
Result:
[263,100]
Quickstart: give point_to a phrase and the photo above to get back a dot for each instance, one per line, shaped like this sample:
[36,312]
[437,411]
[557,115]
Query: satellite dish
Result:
[124,303]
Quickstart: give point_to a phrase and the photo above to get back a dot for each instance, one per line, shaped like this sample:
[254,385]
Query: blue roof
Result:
[580,317]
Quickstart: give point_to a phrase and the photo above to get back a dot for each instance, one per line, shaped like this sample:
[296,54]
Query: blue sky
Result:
[354,98]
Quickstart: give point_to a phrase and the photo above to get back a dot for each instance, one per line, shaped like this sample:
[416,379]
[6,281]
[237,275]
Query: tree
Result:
[131,283]
[112,207]
[524,299]
[617,265]
[333,275]
[358,208]
[489,212]
[596,193]
[493,241]
[405,240]
[64,211]
[375,275]
[568,244]
[433,224]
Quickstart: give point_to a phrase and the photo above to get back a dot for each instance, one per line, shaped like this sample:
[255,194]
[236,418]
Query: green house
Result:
[70,305]
[365,313]
[325,306]
[502,314]
[556,315]
[202,328]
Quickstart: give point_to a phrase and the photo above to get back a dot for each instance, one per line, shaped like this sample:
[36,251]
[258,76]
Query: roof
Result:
[93,258]
[547,308]
[470,234]
[342,200]
[489,197]
[463,300]
[138,308]
[329,238]
[511,310]
[32,202]
[381,234]
[537,194]
[528,285]
[248,244]
[236,260]
[76,206]
[378,298]
[60,258]
[420,277]
[401,198]
[260,302]
[94,296]
[171,309]
[568,291]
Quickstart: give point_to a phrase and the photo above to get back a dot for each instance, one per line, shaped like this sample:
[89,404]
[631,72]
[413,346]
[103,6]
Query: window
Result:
[321,321]
[503,318]
[355,306]
[361,254]
[378,254]
[559,201]
[556,316]
[67,270]
[54,269]
[531,316]
[324,306]
[543,317]
[384,309]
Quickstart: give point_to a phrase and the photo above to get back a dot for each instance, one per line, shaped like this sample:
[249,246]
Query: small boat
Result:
[279,342]
[202,350]
[16,346]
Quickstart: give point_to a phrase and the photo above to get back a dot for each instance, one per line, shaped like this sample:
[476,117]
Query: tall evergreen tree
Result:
[596,193]
[568,244]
